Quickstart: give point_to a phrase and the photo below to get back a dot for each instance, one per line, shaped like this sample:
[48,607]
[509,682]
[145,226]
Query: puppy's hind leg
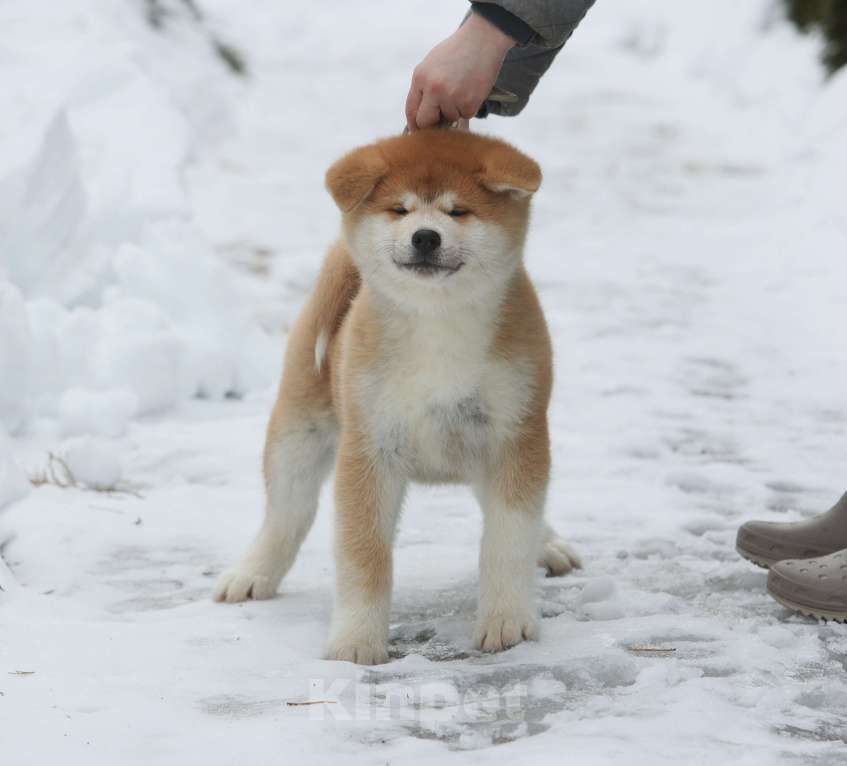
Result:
[298,456]
[556,556]
[301,439]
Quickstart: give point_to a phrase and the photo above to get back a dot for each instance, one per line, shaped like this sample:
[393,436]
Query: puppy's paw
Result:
[240,584]
[362,652]
[557,557]
[500,631]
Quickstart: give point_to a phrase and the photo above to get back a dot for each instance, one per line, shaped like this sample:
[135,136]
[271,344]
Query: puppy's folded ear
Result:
[352,178]
[505,169]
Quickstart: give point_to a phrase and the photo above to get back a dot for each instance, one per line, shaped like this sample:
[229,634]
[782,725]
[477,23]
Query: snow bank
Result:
[111,304]
[15,354]
[13,481]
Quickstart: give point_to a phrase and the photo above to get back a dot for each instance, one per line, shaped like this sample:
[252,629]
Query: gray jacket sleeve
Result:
[540,28]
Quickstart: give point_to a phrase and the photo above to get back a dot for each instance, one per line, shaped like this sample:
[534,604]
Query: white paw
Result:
[240,584]
[362,652]
[500,631]
[558,558]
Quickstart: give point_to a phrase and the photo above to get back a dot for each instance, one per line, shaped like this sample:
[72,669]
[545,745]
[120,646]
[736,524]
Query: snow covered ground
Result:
[161,220]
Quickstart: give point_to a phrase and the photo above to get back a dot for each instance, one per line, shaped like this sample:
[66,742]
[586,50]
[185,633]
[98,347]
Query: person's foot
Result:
[767,542]
[815,587]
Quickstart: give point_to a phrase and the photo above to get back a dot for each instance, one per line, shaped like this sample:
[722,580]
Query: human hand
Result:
[457,75]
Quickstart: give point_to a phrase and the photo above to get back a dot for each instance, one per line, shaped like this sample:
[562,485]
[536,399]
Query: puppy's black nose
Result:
[425,241]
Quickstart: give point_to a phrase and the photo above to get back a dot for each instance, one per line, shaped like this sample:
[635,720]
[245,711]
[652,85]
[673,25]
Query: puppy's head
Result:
[435,215]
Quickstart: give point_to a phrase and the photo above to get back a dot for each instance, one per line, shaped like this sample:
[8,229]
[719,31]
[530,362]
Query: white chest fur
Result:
[439,399]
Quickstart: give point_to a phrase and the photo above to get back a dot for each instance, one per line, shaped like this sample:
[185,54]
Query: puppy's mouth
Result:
[428,267]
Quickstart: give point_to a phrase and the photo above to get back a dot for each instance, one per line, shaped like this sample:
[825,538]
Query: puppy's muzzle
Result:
[426,255]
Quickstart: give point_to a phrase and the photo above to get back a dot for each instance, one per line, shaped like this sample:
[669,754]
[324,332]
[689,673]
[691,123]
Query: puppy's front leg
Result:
[368,496]
[512,499]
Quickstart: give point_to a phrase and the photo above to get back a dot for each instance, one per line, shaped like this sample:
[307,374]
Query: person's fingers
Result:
[448,110]
[428,114]
[413,102]
[468,106]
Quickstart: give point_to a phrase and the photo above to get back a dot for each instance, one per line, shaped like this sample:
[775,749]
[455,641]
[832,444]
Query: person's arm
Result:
[546,23]
[540,28]
[507,42]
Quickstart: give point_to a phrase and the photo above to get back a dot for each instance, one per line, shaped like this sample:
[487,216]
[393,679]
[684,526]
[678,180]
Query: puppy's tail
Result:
[338,283]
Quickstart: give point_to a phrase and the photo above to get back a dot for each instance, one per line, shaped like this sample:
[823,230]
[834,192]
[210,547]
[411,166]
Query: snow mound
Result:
[104,413]
[13,481]
[92,463]
[105,284]
[14,357]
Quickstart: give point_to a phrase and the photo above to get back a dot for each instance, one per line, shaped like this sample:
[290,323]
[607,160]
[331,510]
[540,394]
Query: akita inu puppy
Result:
[421,356]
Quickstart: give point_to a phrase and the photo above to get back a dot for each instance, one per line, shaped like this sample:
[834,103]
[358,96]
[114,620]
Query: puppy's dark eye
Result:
[399,209]
[457,212]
